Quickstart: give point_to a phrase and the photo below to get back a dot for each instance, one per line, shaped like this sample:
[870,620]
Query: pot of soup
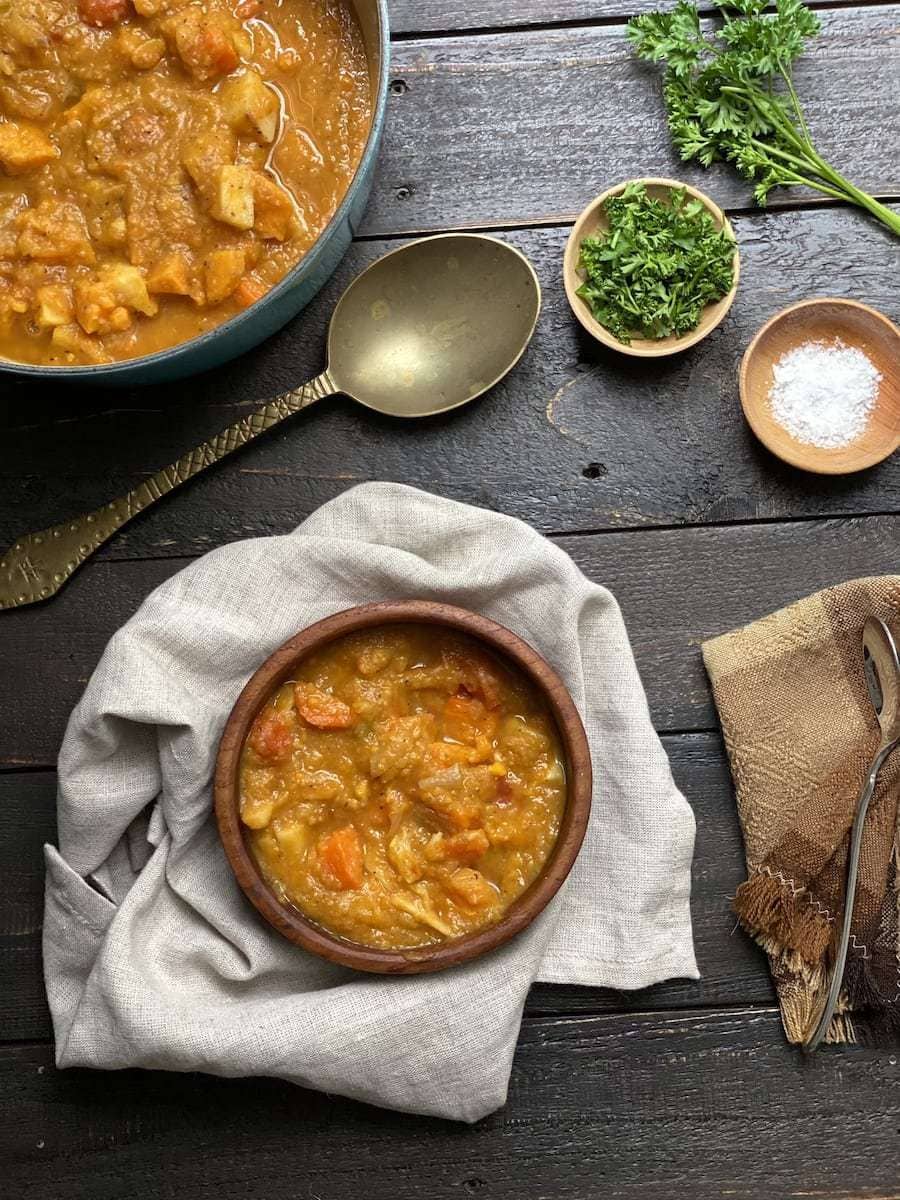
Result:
[178,178]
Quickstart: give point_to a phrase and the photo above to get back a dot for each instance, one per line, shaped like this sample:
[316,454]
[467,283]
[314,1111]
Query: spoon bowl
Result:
[433,325]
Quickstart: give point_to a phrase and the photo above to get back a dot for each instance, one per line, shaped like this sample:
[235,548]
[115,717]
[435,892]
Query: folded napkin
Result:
[801,733]
[152,955]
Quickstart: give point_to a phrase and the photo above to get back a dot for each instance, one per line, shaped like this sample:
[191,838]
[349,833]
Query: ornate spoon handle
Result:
[40,563]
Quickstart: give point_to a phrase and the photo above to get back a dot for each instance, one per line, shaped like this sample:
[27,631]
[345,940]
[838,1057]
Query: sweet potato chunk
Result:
[24,148]
[250,106]
[272,735]
[273,209]
[222,274]
[321,709]
[170,276]
[341,859]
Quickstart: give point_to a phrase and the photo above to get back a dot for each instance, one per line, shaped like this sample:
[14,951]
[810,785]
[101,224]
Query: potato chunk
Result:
[233,201]
[250,106]
[106,303]
[222,273]
[205,153]
[74,344]
[24,148]
[54,301]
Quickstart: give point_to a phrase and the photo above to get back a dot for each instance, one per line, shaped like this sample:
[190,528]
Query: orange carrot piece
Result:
[340,854]
[272,734]
[248,291]
[321,709]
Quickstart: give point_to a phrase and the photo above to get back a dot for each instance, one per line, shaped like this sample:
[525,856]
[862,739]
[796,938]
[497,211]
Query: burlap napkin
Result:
[152,955]
[801,732]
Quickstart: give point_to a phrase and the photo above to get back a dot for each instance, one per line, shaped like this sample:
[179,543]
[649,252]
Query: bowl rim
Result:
[811,459]
[643,348]
[89,371]
[289,921]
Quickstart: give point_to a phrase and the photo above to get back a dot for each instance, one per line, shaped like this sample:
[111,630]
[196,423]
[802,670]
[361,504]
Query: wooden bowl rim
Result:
[642,347]
[289,921]
[812,458]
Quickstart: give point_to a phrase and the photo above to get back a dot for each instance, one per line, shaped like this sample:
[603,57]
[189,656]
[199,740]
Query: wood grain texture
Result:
[577,437]
[421,16]
[528,127]
[642,1107]
[733,971]
[676,588]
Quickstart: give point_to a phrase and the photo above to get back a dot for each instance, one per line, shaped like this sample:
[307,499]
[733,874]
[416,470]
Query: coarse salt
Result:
[824,394]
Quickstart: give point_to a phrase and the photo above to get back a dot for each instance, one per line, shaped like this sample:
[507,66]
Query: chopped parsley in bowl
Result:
[652,265]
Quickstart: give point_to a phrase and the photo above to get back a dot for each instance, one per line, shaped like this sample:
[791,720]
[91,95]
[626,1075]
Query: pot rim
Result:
[306,265]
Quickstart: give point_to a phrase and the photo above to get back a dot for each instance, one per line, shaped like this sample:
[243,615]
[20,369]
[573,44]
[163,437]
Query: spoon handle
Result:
[40,563]
[837,973]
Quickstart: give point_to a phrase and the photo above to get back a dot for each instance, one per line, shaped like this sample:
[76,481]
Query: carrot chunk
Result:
[321,709]
[248,291]
[341,858]
[272,734]
[465,717]
[102,12]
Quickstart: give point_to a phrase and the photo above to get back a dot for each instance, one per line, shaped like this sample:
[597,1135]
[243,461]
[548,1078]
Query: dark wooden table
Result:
[507,118]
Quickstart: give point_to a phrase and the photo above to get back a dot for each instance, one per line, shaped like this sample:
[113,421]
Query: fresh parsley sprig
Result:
[730,95]
[658,265]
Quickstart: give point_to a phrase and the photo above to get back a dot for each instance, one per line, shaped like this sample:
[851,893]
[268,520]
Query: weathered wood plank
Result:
[733,971]
[527,127]
[576,438]
[642,1107]
[423,16]
[676,587]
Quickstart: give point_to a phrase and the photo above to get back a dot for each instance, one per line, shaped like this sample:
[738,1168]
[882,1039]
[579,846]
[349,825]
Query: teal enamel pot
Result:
[295,290]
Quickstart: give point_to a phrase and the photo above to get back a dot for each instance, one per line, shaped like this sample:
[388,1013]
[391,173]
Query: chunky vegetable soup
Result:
[404,788]
[163,163]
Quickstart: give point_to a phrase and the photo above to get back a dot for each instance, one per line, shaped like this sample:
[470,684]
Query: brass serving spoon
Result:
[424,329]
[882,674]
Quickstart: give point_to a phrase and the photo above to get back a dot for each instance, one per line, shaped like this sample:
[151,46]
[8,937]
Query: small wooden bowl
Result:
[593,220]
[825,320]
[287,919]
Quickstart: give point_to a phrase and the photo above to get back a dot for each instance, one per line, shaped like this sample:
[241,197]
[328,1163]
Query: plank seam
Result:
[406,36]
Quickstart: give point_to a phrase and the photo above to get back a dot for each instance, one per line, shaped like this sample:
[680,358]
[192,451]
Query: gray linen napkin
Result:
[153,957]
